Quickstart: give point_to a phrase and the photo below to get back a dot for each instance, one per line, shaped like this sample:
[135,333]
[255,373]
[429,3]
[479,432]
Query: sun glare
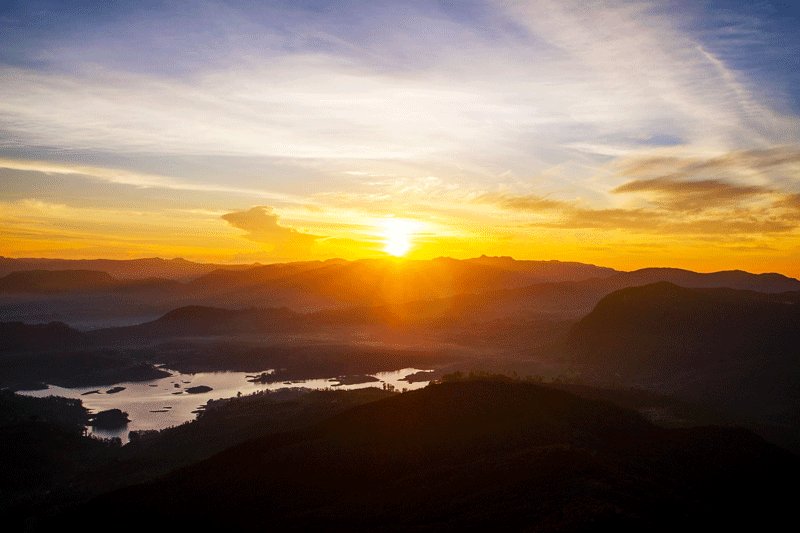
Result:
[397,235]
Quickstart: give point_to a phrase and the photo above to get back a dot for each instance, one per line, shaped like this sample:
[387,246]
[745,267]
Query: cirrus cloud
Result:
[679,195]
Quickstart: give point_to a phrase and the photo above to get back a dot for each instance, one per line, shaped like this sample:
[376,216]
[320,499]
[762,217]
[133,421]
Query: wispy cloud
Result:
[526,202]
[578,75]
[681,199]
[717,220]
[771,164]
[638,63]
[688,196]
[138,179]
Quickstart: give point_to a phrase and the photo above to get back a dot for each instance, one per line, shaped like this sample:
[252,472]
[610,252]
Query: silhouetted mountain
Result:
[73,368]
[546,270]
[663,324]
[383,281]
[445,290]
[736,350]
[573,299]
[47,281]
[195,338]
[556,300]
[79,281]
[380,281]
[16,336]
[201,321]
[42,445]
[321,283]
[569,299]
[477,454]
[732,279]
[179,269]
[301,286]
[486,286]
[32,355]
[46,463]
[196,320]
[225,279]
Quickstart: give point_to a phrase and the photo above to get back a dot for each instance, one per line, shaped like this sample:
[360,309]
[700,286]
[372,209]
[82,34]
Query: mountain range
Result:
[486,287]
[727,339]
[608,433]
[179,269]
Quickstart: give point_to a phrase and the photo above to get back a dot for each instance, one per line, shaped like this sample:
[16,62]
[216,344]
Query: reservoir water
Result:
[164,402]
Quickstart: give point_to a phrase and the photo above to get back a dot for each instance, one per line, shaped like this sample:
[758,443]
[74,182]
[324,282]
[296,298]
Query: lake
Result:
[162,403]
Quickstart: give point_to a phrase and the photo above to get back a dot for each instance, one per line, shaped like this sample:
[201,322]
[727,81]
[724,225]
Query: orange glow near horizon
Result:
[34,228]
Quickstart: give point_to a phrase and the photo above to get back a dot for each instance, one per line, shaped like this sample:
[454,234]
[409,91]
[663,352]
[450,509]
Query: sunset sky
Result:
[627,134]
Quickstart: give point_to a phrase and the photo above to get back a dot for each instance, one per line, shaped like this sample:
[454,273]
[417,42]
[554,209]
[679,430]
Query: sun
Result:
[397,236]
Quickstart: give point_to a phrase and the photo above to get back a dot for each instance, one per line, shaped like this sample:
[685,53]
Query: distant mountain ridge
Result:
[541,270]
[195,320]
[734,279]
[484,288]
[380,281]
[155,267]
[45,281]
[78,281]
[370,280]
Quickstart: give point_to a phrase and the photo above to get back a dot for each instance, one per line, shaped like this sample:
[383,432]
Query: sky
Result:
[627,134]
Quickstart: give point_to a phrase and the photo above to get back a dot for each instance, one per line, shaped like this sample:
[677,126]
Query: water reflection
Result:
[164,402]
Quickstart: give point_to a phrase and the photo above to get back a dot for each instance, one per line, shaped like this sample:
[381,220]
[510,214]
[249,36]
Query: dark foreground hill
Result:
[478,454]
[43,445]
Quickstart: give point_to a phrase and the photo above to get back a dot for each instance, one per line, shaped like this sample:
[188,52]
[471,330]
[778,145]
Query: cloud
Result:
[572,75]
[676,194]
[705,188]
[790,201]
[34,227]
[136,179]
[529,202]
[642,62]
[681,214]
[761,163]
[261,225]
[664,223]
[692,196]
[738,183]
